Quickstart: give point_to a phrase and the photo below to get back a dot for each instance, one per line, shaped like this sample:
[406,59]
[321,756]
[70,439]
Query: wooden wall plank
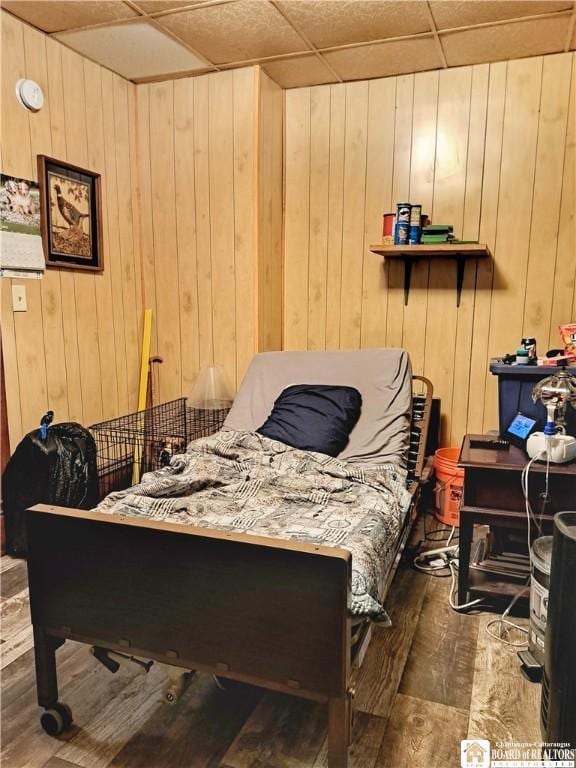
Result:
[448,208]
[318,236]
[110,181]
[400,194]
[221,127]
[335,203]
[185,206]
[480,377]
[356,142]
[145,206]
[203,212]
[422,167]
[164,222]
[470,226]
[130,288]
[379,164]
[297,218]
[103,280]
[245,109]
[270,214]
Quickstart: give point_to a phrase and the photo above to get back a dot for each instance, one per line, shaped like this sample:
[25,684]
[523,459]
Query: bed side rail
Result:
[423,391]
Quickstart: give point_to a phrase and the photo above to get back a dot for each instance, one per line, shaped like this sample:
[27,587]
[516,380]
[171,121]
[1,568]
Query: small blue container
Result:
[415,234]
[401,232]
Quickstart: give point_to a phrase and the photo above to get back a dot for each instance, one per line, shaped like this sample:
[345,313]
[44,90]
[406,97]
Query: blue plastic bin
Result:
[515,385]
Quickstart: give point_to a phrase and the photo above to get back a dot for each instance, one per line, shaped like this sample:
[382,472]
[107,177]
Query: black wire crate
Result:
[140,442]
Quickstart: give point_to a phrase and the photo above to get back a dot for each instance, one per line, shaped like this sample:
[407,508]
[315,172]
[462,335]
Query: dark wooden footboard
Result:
[265,611]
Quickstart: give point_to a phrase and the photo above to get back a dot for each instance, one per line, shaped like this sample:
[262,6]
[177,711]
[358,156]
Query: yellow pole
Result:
[143,389]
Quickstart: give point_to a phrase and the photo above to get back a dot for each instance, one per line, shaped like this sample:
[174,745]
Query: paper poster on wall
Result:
[21,252]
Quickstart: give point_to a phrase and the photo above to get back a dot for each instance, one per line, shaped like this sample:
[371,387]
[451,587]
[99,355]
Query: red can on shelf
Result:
[388,228]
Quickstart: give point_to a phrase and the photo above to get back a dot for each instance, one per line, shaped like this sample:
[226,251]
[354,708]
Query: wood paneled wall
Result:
[487,148]
[211,204]
[76,350]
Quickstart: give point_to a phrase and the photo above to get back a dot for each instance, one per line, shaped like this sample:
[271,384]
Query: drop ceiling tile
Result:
[154,6]
[136,50]
[247,29]
[339,22]
[393,58]
[505,41]
[462,13]
[299,71]
[57,16]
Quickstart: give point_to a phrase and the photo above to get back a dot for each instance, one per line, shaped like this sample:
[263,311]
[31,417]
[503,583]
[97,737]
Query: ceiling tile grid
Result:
[238,31]
[301,42]
[505,41]
[396,57]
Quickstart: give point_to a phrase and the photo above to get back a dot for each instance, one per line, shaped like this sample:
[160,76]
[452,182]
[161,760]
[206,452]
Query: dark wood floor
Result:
[435,677]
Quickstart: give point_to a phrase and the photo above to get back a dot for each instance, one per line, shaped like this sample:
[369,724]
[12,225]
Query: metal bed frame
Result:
[201,599]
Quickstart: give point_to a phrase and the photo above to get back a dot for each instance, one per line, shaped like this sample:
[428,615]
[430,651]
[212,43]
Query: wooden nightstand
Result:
[493,496]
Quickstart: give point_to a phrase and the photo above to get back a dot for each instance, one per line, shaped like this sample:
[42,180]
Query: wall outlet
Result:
[19,298]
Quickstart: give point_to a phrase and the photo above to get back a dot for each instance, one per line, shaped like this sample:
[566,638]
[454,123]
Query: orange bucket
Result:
[449,484]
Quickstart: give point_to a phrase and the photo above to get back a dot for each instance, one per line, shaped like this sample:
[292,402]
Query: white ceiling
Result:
[301,42]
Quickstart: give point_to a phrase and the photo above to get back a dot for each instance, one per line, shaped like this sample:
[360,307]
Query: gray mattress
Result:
[382,376]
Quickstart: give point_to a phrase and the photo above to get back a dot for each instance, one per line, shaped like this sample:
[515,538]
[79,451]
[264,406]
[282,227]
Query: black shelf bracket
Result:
[460,266]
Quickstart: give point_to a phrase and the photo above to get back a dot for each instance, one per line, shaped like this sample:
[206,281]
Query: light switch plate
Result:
[19,298]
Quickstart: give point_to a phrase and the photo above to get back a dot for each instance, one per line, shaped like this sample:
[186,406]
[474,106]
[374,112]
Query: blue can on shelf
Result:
[415,234]
[401,232]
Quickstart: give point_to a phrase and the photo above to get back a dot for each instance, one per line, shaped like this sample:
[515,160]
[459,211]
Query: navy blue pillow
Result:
[314,417]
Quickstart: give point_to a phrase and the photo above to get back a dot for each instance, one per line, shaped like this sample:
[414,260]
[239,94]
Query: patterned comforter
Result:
[245,482]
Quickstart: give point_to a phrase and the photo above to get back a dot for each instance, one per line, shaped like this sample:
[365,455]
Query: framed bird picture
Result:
[70,215]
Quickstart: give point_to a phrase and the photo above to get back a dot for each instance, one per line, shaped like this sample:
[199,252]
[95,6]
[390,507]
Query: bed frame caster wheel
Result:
[56,720]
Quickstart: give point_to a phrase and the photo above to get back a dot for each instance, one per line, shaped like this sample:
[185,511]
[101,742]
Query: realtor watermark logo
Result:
[480,753]
[475,753]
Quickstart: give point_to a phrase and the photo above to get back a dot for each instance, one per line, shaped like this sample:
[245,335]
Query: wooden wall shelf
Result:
[409,253]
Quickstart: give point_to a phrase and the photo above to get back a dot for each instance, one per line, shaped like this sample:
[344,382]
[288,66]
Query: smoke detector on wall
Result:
[30,95]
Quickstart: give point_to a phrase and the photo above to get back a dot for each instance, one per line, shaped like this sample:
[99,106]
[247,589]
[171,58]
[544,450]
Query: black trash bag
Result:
[59,470]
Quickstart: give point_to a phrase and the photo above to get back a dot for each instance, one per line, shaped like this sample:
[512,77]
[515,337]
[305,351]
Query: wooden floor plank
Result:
[13,580]
[115,721]
[7,562]
[422,734]
[504,706]
[367,735]
[16,627]
[84,684]
[15,614]
[19,686]
[440,666]
[56,762]
[282,731]
[196,731]
[384,663]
